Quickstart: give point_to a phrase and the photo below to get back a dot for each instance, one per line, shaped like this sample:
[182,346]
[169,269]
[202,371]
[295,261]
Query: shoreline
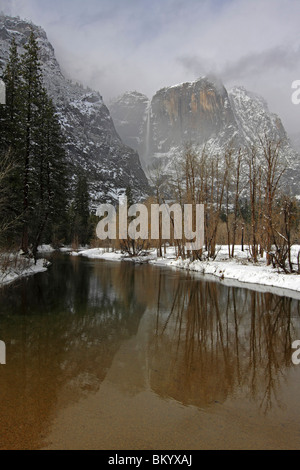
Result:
[237,271]
[10,276]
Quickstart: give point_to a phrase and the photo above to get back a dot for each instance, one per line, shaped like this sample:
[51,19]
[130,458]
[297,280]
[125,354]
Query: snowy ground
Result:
[43,249]
[17,266]
[20,267]
[230,271]
[241,270]
[236,271]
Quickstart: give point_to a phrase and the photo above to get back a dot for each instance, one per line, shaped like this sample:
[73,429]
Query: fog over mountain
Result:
[203,114]
[114,45]
[92,142]
[204,111]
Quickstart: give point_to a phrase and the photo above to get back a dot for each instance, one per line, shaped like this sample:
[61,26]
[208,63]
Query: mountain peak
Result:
[92,142]
[201,113]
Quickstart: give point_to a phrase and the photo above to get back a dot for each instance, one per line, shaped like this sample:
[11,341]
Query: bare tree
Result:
[273,171]
[237,194]
[284,233]
[157,179]
[254,191]
[217,177]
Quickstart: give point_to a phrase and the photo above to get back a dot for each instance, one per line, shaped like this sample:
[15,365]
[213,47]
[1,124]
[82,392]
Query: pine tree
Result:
[57,177]
[80,211]
[32,93]
[10,116]
[49,192]
[11,143]
[32,133]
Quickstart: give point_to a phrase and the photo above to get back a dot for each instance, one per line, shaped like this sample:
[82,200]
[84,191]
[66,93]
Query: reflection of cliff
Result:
[62,330]
[216,341]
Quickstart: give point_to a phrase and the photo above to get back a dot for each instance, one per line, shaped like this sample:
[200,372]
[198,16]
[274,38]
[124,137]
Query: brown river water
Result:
[116,356]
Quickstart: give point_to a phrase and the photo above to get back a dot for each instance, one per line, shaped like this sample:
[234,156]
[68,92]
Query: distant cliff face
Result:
[91,138]
[189,113]
[129,113]
[202,113]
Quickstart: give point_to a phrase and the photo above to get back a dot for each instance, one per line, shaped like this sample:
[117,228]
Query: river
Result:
[108,355]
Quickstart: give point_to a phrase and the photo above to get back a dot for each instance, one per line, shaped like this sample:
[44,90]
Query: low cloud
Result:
[144,45]
[262,63]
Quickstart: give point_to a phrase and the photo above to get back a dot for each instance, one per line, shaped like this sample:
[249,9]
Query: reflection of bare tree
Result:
[64,328]
[216,341]
[271,335]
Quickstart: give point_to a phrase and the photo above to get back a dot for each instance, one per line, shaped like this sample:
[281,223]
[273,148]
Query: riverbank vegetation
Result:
[244,199]
[245,204]
[42,202]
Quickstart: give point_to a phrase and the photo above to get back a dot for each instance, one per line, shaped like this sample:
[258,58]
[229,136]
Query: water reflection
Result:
[202,342]
[62,330]
[217,341]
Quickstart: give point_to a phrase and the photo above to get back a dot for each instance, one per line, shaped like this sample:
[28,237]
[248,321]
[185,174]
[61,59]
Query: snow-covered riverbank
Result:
[239,269]
[20,267]
[236,271]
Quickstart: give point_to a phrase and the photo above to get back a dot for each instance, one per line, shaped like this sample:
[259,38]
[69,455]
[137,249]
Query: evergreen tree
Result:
[32,93]
[11,144]
[57,177]
[10,136]
[49,192]
[81,212]
[30,129]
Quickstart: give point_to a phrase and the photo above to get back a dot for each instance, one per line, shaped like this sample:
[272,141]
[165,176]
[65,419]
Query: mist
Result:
[115,46]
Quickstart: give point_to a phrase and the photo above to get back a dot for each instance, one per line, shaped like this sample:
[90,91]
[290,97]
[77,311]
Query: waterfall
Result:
[148,129]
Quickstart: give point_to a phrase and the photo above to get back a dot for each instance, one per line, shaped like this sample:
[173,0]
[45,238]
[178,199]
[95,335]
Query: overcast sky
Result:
[120,45]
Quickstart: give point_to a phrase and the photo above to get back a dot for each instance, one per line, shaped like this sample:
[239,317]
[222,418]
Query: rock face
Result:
[129,114]
[92,142]
[202,113]
[191,112]
[253,117]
